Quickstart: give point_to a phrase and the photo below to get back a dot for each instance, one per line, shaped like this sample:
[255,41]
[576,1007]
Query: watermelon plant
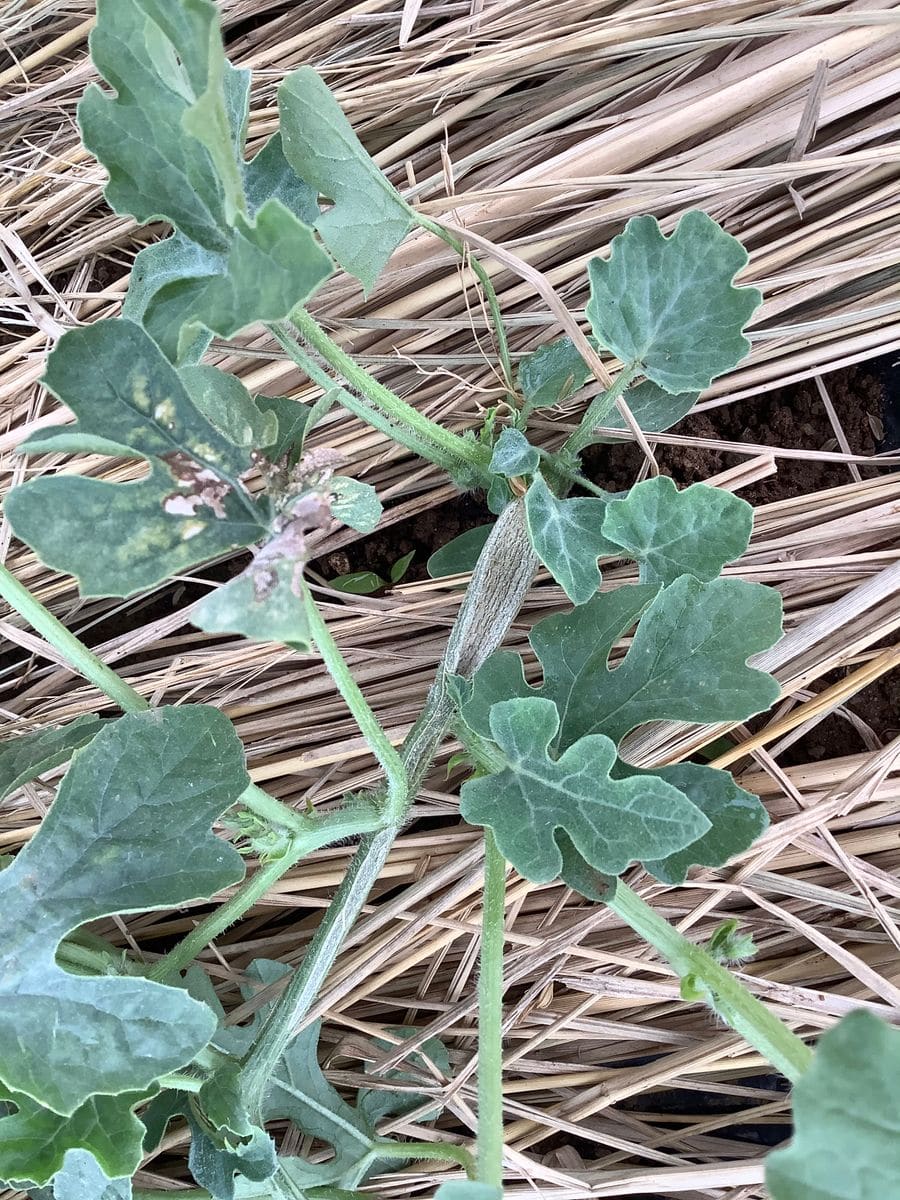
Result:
[100,1051]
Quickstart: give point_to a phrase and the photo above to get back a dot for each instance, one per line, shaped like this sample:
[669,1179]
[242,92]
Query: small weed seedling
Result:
[99,1051]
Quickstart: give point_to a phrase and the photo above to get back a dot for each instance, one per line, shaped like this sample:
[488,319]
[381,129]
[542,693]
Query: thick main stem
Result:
[490,1017]
[725,994]
[500,581]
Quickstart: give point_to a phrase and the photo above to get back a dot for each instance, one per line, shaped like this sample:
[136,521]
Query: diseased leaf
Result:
[551,374]
[460,554]
[83,1179]
[513,454]
[671,533]
[737,818]
[652,407]
[129,830]
[846,1142]
[668,303]
[355,503]
[120,538]
[611,822]
[165,63]
[368,219]
[263,603]
[26,757]
[567,538]
[271,265]
[34,1141]
[292,418]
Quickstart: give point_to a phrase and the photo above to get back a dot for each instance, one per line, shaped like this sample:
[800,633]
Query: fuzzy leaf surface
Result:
[167,67]
[514,454]
[846,1143]
[551,374]
[669,304]
[82,1178]
[671,533]
[129,830]
[25,758]
[117,539]
[34,1142]
[368,218]
[611,822]
[567,538]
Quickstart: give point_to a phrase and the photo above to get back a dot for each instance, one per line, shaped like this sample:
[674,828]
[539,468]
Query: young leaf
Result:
[611,822]
[227,405]
[358,583]
[292,420]
[355,503]
[368,218]
[567,538]
[513,454]
[272,264]
[671,533]
[160,264]
[129,830]
[226,1141]
[120,538]
[170,76]
[551,374]
[652,407]
[401,566]
[82,1178]
[34,1141]
[460,554]
[846,1142]
[669,304]
[25,758]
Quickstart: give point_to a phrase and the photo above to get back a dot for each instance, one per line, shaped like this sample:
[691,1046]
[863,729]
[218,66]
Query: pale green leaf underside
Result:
[25,758]
[567,538]
[652,407]
[668,303]
[263,603]
[611,822]
[846,1119]
[83,1179]
[671,533]
[355,503]
[368,218]
[129,830]
[163,60]
[34,1142]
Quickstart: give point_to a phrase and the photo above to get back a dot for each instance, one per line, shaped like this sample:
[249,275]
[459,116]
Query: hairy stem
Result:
[490,1018]
[490,294]
[500,581]
[453,451]
[598,410]
[715,984]
[83,660]
[424,1151]
[369,725]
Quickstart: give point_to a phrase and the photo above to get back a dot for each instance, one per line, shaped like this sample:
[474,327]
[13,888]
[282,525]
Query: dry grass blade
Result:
[537,128]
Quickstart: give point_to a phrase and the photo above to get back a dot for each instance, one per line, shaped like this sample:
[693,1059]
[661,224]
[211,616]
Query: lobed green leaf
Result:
[26,757]
[514,454]
[368,218]
[611,822]
[567,537]
[129,830]
[669,304]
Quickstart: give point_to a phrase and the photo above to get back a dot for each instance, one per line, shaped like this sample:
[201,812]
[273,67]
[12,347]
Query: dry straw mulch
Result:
[540,126]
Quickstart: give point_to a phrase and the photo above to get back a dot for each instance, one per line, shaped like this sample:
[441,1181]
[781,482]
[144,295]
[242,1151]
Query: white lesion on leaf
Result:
[201,487]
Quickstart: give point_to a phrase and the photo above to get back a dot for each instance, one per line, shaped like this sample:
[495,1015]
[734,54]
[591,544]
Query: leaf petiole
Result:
[709,981]
[599,409]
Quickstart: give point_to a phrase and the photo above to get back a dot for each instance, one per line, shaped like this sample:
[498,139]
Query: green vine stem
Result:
[447,449]
[369,725]
[489,293]
[83,660]
[423,1152]
[500,581]
[490,1018]
[598,410]
[702,978]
